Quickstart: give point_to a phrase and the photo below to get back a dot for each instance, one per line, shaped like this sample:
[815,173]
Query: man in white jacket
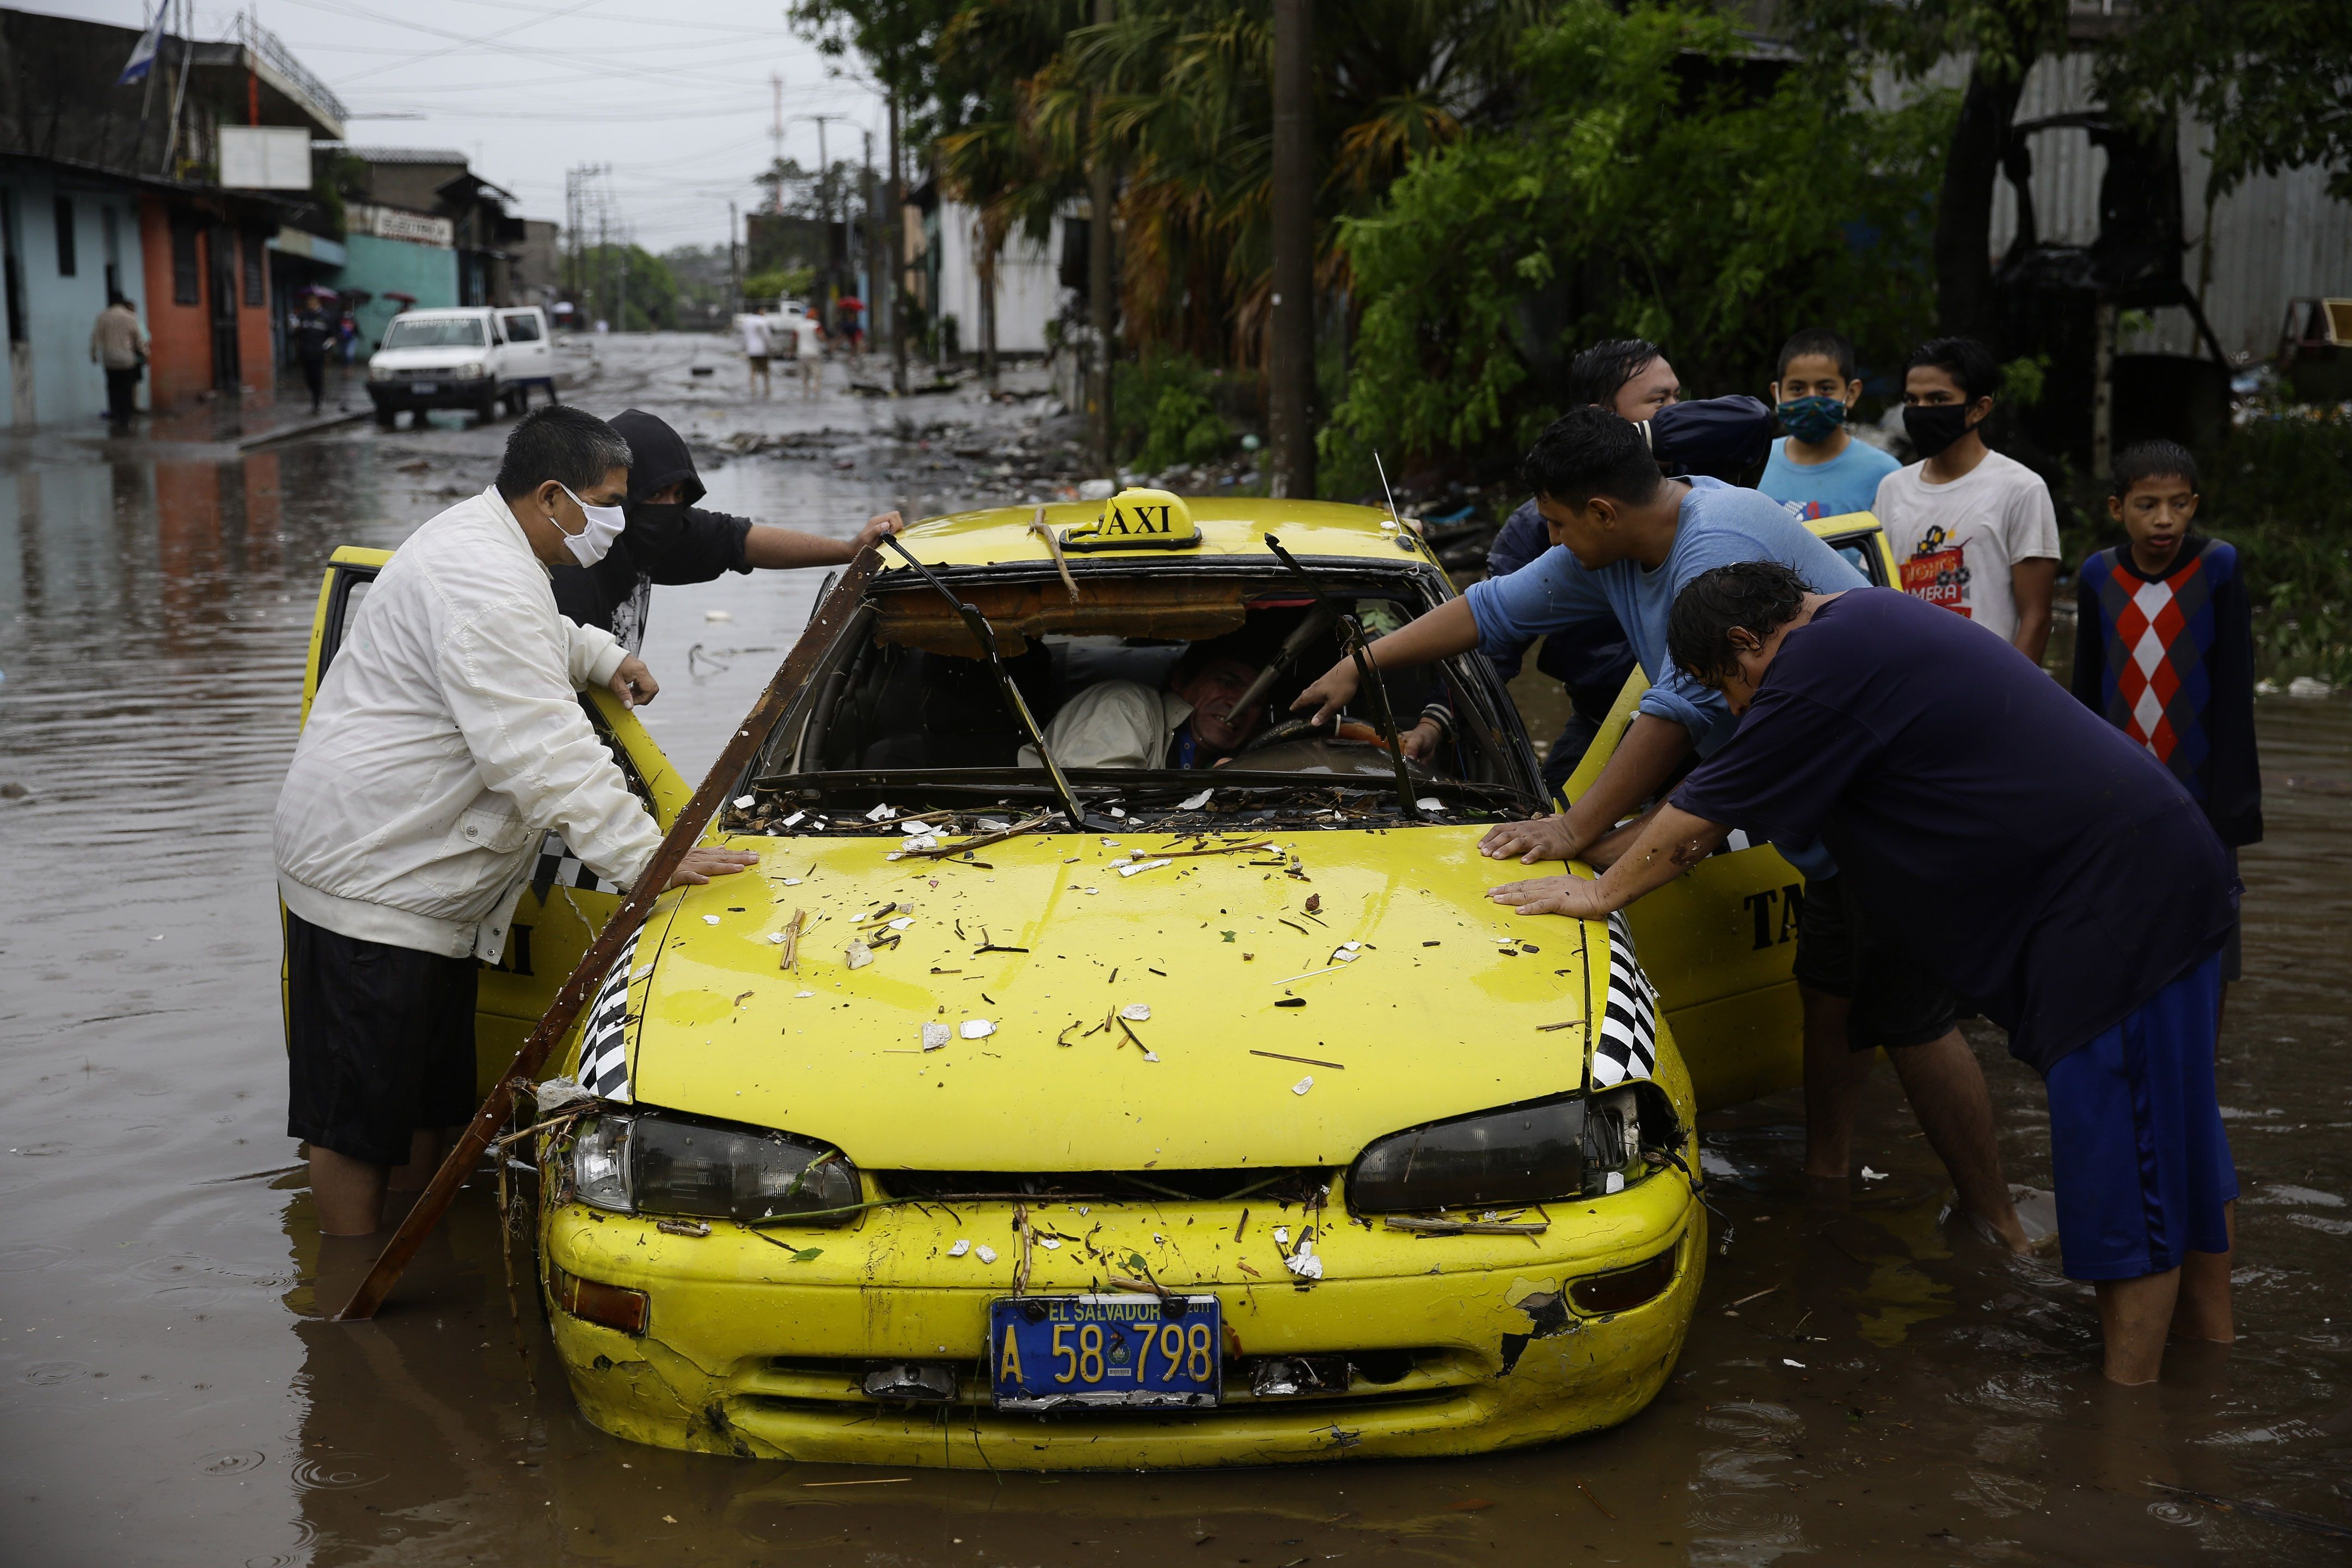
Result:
[445,741]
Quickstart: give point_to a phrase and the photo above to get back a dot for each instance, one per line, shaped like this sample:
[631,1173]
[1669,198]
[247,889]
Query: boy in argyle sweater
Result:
[2164,646]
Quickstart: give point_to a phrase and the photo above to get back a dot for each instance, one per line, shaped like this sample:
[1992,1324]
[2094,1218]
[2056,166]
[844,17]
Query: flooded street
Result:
[1863,1383]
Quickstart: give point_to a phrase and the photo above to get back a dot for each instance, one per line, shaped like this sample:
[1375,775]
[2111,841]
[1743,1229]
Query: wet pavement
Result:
[1863,1383]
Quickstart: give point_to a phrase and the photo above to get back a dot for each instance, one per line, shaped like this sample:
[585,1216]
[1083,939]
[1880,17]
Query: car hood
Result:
[1438,1014]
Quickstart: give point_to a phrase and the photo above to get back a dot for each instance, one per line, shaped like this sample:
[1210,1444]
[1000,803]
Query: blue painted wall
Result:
[385,266]
[69,388]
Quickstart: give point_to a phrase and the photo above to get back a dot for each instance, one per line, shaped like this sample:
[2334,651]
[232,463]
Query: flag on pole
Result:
[142,54]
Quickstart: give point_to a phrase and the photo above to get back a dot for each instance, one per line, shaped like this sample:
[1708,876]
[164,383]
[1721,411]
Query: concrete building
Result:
[944,256]
[105,185]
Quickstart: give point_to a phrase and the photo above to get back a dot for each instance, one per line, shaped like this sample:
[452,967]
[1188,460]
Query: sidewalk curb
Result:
[308,426]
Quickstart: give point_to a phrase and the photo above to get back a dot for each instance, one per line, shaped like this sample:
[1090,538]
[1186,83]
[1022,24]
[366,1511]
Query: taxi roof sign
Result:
[1138,518]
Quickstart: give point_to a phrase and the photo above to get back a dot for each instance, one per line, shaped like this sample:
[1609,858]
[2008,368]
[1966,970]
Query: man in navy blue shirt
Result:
[2007,834]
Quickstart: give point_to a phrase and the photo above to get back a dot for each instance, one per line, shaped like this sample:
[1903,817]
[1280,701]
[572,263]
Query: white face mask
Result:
[604,524]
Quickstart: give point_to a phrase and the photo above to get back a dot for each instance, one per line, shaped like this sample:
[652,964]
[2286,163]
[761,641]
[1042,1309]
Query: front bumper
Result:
[1475,1338]
[402,396]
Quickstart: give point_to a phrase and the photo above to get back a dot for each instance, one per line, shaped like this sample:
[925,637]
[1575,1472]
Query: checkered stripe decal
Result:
[1628,1044]
[558,866]
[604,1046]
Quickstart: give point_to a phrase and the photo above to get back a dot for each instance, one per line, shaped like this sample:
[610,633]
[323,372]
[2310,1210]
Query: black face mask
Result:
[655,523]
[1934,427]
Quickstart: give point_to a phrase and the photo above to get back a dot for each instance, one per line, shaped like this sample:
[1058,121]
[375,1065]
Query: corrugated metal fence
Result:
[2274,238]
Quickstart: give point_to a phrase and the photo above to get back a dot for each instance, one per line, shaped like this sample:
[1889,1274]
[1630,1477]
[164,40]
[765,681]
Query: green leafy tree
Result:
[1655,183]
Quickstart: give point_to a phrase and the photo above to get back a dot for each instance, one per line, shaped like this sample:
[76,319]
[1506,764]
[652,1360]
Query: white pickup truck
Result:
[476,357]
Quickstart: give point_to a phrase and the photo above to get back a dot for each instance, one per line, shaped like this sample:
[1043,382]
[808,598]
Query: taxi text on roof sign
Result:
[1138,520]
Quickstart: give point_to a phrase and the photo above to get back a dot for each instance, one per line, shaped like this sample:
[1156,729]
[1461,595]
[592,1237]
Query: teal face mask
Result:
[1812,420]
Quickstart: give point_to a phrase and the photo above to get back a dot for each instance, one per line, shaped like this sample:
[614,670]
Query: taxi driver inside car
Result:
[723,1284]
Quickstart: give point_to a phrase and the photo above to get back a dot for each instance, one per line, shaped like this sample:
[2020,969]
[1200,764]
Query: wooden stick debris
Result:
[791,956]
[1219,849]
[942,851]
[877,1481]
[1054,548]
[1466,1226]
[1310,1061]
[791,676]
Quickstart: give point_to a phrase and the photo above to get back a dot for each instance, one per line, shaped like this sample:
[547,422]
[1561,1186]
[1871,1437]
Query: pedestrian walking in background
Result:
[2039,862]
[446,741]
[758,345]
[312,335]
[671,540]
[1971,531]
[2163,647]
[1818,470]
[853,327]
[118,344]
[808,347]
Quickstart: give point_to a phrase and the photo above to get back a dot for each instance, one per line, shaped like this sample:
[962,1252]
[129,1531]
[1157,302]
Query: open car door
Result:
[1720,942]
[564,904]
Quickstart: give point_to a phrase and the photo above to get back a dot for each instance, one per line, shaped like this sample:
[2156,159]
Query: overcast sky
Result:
[675,95]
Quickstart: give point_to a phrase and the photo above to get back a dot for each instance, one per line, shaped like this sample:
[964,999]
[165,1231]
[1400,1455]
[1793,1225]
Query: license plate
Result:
[426,387]
[1048,1351]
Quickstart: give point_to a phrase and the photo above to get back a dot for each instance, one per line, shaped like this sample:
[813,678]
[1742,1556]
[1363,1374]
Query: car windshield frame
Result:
[1251,799]
[411,332]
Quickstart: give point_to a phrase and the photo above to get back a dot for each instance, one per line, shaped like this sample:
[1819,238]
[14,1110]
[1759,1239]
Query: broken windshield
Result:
[1154,694]
[446,333]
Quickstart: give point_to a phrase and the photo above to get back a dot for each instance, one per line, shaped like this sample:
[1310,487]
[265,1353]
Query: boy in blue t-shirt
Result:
[1820,469]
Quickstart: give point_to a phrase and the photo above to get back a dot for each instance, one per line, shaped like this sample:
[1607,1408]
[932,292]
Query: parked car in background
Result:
[475,357]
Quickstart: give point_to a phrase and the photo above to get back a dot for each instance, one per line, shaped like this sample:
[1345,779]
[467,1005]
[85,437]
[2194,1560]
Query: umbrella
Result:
[396,294]
[850,303]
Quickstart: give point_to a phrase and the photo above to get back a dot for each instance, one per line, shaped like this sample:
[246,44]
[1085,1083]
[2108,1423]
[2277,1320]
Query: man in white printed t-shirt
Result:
[758,344]
[1971,531]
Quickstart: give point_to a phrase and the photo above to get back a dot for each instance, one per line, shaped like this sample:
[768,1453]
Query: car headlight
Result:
[649,1163]
[1543,1151]
[382,373]
[472,370]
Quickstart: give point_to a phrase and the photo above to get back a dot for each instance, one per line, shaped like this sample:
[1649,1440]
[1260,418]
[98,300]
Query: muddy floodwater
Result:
[1863,1383]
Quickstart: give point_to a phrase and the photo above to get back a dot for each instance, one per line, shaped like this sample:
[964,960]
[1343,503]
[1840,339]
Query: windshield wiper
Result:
[985,636]
[1367,675]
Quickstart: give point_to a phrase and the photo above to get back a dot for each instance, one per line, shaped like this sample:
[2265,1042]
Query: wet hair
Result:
[1587,452]
[1598,373]
[2154,460]
[1759,597]
[1965,360]
[1832,346]
[1249,646]
[559,442]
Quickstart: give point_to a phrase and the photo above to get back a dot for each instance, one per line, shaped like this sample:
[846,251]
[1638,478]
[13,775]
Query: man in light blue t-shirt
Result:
[1626,541]
[1820,469]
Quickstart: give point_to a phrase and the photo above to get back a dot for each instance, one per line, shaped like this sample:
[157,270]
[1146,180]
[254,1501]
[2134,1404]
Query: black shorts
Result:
[1841,951]
[380,1042]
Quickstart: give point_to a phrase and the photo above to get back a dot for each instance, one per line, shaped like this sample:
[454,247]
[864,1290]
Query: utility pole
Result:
[898,196]
[734,266]
[776,140]
[873,252]
[1101,303]
[1290,389]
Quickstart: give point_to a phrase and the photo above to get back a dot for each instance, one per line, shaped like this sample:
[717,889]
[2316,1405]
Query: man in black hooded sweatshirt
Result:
[670,540]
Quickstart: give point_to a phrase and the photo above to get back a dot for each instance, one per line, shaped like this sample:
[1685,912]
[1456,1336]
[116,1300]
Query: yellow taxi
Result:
[1026,1115]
